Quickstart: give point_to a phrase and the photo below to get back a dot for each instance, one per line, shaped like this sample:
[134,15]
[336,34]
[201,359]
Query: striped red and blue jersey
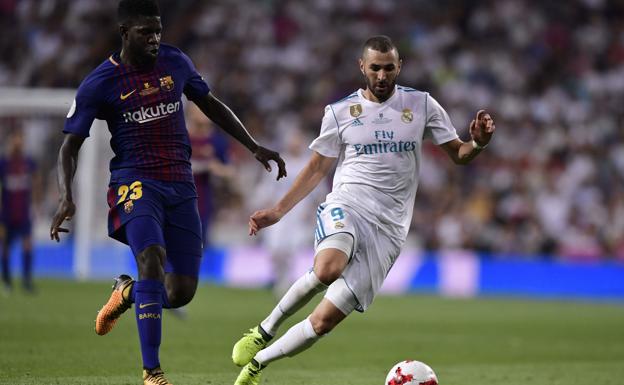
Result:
[16,176]
[143,109]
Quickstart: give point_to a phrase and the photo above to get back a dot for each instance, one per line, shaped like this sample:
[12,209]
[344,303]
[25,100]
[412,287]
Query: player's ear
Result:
[123,30]
[361,62]
[399,66]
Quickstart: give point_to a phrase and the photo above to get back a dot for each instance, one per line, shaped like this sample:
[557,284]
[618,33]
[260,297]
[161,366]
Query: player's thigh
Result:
[335,241]
[329,264]
[182,233]
[142,232]
[134,199]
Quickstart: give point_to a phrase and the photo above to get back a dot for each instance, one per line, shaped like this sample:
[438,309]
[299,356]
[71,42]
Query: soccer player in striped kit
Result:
[152,197]
[17,177]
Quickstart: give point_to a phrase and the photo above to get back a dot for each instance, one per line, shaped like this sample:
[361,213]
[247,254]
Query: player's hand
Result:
[65,211]
[263,218]
[482,128]
[264,155]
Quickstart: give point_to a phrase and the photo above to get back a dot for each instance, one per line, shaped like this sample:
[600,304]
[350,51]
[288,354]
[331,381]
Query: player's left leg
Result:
[182,232]
[27,264]
[338,303]
[7,284]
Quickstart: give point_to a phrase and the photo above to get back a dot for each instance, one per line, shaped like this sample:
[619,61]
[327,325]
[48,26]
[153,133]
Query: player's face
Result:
[16,144]
[380,70]
[141,38]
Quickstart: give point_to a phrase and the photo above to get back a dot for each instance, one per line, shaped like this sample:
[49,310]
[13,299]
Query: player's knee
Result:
[180,290]
[179,298]
[150,262]
[327,274]
[322,324]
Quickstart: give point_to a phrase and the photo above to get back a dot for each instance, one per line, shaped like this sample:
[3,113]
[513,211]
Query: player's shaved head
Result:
[381,43]
[132,9]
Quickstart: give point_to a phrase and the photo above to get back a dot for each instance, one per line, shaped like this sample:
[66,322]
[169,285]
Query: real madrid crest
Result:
[128,206]
[166,83]
[407,116]
[355,110]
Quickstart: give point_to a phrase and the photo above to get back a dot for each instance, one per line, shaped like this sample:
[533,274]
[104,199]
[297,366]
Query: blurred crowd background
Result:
[551,73]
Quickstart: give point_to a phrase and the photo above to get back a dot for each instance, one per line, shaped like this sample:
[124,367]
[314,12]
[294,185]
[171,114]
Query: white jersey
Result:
[378,146]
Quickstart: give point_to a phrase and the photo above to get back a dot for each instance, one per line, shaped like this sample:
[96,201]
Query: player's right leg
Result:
[332,256]
[118,302]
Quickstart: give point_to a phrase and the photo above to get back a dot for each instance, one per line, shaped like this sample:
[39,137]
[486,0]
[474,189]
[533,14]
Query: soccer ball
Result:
[411,373]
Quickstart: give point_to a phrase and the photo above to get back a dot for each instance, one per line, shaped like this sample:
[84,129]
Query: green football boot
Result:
[250,374]
[247,347]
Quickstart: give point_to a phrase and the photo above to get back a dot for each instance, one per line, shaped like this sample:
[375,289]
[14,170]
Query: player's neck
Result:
[133,61]
[368,94]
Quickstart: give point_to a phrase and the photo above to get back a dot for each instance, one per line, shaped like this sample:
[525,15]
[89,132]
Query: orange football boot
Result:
[115,307]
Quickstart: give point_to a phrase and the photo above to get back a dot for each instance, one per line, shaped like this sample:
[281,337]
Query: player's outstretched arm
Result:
[225,118]
[66,169]
[481,130]
[317,168]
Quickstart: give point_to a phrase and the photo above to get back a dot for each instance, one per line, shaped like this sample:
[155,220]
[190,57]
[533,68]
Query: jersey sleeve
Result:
[328,143]
[83,110]
[438,127]
[195,87]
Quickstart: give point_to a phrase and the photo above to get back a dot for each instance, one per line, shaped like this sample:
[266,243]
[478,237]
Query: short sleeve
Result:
[438,127]
[195,87]
[328,143]
[83,110]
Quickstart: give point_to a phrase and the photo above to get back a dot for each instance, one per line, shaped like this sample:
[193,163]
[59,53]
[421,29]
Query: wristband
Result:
[477,146]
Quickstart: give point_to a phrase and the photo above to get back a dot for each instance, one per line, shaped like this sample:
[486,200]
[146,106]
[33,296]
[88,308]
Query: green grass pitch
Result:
[49,339]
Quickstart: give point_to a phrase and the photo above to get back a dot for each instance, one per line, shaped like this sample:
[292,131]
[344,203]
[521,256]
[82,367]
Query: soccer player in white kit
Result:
[374,136]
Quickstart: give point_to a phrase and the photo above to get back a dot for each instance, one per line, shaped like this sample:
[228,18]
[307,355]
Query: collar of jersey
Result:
[366,101]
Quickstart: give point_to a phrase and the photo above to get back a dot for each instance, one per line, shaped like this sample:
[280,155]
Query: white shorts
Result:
[373,255]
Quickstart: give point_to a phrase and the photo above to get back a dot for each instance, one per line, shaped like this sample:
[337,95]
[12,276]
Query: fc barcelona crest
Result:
[407,116]
[166,83]
[355,110]
[128,206]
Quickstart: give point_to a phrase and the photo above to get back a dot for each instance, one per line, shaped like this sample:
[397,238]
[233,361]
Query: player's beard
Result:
[384,95]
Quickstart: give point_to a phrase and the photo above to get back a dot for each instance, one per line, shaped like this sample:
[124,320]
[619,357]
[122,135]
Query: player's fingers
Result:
[253,227]
[54,235]
[281,167]
[479,114]
[62,230]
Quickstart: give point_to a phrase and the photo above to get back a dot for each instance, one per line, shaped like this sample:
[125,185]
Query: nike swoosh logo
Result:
[124,97]
[144,305]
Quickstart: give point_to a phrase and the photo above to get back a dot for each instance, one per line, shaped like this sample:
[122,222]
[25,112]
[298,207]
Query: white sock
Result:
[297,339]
[299,294]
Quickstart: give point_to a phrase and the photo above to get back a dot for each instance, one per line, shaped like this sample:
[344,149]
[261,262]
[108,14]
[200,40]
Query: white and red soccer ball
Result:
[411,373]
